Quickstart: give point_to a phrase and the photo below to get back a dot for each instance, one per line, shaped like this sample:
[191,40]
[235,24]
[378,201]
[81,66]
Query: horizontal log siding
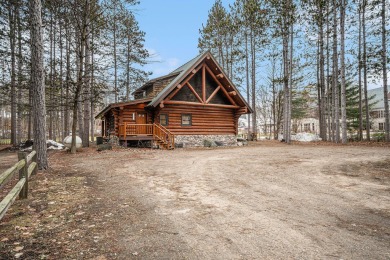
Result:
[116,121]
[125,115]
[205,120]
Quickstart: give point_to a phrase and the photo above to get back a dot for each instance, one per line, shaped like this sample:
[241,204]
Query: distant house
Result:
[377,112]
[193,103]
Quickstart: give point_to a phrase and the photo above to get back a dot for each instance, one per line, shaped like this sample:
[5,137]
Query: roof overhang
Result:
[122,104]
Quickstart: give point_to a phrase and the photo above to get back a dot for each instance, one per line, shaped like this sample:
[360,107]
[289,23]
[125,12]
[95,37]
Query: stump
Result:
[102,147]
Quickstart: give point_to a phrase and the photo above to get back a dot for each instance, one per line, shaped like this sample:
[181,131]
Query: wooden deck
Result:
[153,132]
[137,138]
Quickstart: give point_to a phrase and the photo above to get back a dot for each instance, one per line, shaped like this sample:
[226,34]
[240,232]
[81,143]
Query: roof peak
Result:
[175,72]
[183,67]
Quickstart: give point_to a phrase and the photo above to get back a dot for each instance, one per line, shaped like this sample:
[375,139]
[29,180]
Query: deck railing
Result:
[164,136]
[160,134]
[135,129]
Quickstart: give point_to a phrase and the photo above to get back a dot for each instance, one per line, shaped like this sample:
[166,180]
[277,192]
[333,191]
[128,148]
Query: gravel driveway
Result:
[267,201]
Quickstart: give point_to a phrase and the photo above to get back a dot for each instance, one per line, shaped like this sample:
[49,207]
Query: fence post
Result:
[35,159]
[23,173]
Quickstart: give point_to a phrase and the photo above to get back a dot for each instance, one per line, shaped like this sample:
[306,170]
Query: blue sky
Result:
[172,30]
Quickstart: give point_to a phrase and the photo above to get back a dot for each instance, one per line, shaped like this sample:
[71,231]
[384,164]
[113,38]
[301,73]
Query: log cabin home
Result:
[194,103]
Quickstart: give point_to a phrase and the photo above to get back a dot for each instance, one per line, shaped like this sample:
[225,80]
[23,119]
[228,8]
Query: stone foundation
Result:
[205,140]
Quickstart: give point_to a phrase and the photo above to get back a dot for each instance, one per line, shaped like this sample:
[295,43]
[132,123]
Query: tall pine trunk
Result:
[54,87]
[360,76]
[384,69]
[342,61]
[20,78]
[253,81]
[335,77]
[247,79]
[50,103]
[291,67]
[287,68]
[368,124]
[115,59]
[87,78]
[12,43]
[80,78]
[273,119]
[321,67]
[92,86]
[37,84]
[128,67]
[285,89]
[67,78]
[62,104]
[77,95]
[328,83]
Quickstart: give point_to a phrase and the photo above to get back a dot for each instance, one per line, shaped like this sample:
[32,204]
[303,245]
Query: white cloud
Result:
[160,65]
[173,62]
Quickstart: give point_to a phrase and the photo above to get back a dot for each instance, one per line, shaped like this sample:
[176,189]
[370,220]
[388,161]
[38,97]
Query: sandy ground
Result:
[264,201]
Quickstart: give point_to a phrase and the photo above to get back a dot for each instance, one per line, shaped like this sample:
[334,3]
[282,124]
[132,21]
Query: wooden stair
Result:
[158,133]
[163,137]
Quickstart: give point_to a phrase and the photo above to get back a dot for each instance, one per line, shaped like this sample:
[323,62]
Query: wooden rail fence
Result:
[26,166]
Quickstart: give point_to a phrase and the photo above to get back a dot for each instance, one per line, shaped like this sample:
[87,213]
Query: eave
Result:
[122,104]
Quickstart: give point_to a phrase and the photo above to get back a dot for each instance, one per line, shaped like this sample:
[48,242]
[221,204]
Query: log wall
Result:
[125,115]
[206,120]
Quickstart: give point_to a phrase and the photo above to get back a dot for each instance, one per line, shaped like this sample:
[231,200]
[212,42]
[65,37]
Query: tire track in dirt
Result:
[263,202]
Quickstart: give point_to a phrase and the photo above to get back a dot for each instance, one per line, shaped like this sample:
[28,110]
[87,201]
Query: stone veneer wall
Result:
[199,140]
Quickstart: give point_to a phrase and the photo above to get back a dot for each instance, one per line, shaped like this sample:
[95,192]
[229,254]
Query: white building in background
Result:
[377,112]
[311,124]
[308,125]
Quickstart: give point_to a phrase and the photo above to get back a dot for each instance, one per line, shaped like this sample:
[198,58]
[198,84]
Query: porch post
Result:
[124,134]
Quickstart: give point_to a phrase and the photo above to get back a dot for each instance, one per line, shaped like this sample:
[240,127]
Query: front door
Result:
[141,122]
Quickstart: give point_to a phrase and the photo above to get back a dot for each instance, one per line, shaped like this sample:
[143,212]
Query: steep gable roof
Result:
[176,73]
[186,69]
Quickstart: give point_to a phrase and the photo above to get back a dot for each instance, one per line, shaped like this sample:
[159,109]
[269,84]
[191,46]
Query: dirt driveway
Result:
[265,201]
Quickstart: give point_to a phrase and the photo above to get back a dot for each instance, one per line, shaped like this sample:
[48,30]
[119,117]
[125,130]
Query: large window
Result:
[163,119]
[381,126]
[186,119]
[381,113]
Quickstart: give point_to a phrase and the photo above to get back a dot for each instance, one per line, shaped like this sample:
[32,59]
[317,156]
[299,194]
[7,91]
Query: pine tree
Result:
[343,6]
[384,72]
[38,89]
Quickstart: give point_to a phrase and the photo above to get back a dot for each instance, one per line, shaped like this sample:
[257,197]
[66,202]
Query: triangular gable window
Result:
[185,94]
[219,97]
[196,82]
[207,90]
